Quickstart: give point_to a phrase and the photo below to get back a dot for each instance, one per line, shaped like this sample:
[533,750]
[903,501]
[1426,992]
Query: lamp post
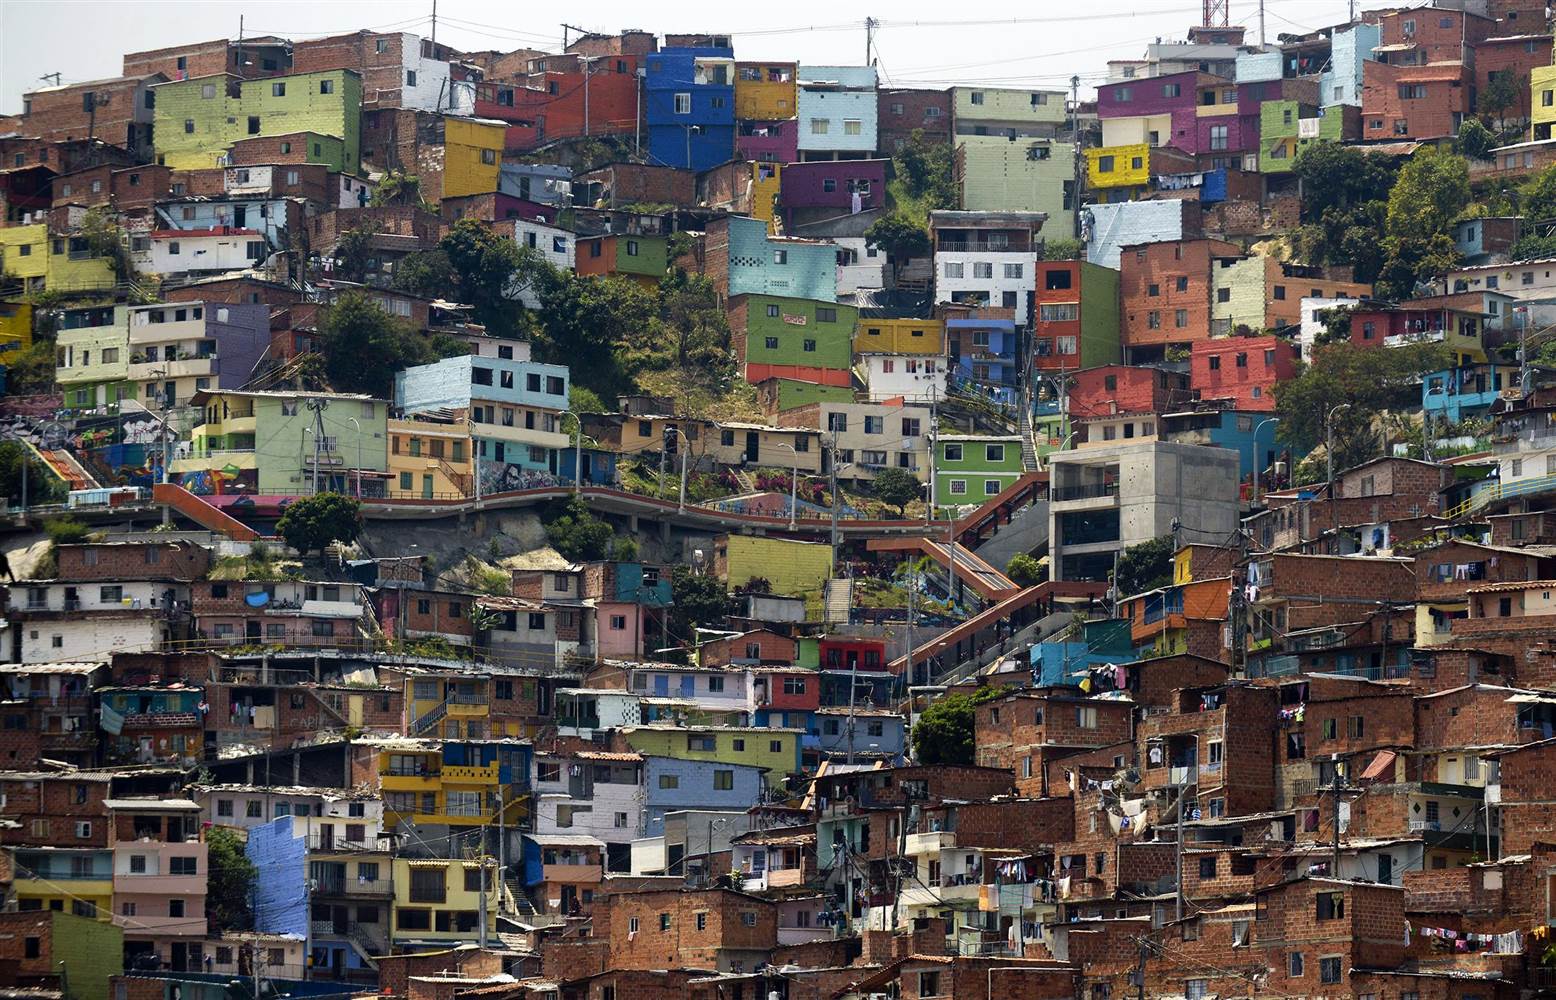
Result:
[1256,463]
[686,447]
[1426,416]
[1329,443]
[794,484]
[353,422]
[577,450]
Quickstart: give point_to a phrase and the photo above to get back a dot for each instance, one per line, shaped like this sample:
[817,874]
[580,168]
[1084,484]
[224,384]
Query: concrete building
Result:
[197,120]
[837,111]
[1077,316]
[986,259]
[999,173]
[869,437]
[688,106]
[1106,498]
[180,349]
[159,878]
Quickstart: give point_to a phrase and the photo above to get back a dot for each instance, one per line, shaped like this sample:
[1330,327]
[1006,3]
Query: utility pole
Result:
[1075,140]
[434,25]
[238,56]
[1261,24]
[55,77]
[317,405]
[832,484]
[581,32]
[1182,790]
[869,41]
[1334,866]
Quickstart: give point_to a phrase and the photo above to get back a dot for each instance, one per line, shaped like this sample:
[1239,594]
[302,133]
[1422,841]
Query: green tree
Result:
[352,250]
[30,372]
[428,273]
[104,238]
[363,346]
[896,486]
[399,188]
[1369,379]
[944,734]
[582,399]
[1502,91]
[231,881]
[1539,196]
[926,171]
[1409,262]
[1532,247]
[66,531]
[1337,326]
[1025,570]
[590,324]
[1145,566]
[574,531]
[313,522]
[1340,177]
[1475,140]
[901,238]
[1432,190]
[696,600]
[489,271]
[1064,249]
[693,330]
[42,485]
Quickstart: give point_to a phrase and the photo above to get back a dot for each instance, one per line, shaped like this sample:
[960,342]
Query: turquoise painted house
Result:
[759,264]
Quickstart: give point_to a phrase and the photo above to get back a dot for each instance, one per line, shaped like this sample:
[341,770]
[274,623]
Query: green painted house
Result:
[791,393]
[803,339]
[197,120]
[971,468]
[264,442]
[1283,132]
[643,258]
[86,952]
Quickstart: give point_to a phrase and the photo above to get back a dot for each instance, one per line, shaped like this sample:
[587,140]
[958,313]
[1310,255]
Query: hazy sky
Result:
[921,42]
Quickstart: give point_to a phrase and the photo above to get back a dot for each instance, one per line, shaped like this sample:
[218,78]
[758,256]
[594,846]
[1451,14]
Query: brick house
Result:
[1112,389]
[1023,730]
[1196,744]
[1242,371]
[674,929]
[1165,292]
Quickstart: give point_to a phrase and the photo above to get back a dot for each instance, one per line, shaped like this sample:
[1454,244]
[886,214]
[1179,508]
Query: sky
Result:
[922,43]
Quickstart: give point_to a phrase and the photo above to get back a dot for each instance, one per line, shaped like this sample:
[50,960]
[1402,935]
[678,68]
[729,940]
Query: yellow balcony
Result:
[470,775]
[443,818]
[469,711]
[410,782]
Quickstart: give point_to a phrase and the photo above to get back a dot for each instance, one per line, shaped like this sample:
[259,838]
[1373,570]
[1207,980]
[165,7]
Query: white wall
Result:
[87,639]
[432,82]
[544,239]
[198,253]
[915,386]
[995,285]
[869,271]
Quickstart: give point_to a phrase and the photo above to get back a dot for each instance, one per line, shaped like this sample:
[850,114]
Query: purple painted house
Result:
[768,142]
[1176,96]
[833,184]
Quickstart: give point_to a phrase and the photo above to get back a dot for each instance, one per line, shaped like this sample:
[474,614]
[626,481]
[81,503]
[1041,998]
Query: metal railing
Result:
[1501,491]
[1059,494]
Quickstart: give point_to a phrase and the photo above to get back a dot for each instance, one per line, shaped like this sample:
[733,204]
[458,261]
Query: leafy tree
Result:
[926,171]
[1410,262]
[1063,249]
[488,269]
[104,238]
[314,522]
[42,485]
[693,329]
[232,878]
[1025,570]
[1370,379]
[1502,91]
[66,531]
[696,600]
[582,399]
[901,238]
[1533,247]
[399,188]
[1475,140]
[588,324]
[1337,326]
[897,487]
[1432,189]
[352,250]
[1540,195]
[1340,177]
[428,273]
[944,734]
[574,531]
[363,346]
[31,371]
[1145,566]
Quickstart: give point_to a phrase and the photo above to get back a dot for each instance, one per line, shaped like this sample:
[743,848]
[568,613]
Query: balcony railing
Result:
[1090,491]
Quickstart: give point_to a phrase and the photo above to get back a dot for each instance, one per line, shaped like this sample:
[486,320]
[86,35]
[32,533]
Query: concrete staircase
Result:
[839,601]
[1026,532]
[1028,445]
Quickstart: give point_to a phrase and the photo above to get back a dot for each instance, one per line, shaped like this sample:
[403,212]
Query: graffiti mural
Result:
[503,477]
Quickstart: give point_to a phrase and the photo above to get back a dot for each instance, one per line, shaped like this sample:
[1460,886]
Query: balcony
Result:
[380,888]
[929,843]
[1183,775]
[468,709]
[200,367]
[1089,491]
[470,775]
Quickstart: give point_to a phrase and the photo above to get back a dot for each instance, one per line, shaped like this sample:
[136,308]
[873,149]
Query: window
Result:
[683,104]
[826,315]
[253,125]
[953,453]
[1329,969]
[1294,965]
[780,256]
[994,452]
[852,126]
[723,780]
[427,885]
[181,866]
[955,269]
[1207,868]
[929,982]
[1218,137]
[488,156]
[1330,906]
[325,87]
[1194,989]
[410,78]
[1181,318]
[664,921]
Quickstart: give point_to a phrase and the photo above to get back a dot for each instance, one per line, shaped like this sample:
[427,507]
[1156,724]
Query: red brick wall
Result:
[1265,362]
[1447,95]
[1134,390]
[173,561]
[895,129]
[1162,265]
[683,945]
[201,59]
[47,809]
[633,182]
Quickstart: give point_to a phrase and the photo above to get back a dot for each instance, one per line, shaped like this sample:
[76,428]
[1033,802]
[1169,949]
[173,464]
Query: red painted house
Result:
[796,690]
[1109,389]
[552,105]
[1242,370]
[846,652]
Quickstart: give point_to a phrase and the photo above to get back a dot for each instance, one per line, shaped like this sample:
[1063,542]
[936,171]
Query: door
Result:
[240,216]
[426,487]
[169,395]
[326,836]
[179,952]
[1385,869]
[251,630]
[753,449]
[340,922]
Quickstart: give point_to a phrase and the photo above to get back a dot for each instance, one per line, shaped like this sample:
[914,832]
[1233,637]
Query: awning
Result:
[1381,765]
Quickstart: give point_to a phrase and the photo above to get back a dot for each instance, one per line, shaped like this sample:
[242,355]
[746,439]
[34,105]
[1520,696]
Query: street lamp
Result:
[1426,416]
[577,449]
[794,484]
[1256,464]
[353,421]
[687,447]
[1329,443]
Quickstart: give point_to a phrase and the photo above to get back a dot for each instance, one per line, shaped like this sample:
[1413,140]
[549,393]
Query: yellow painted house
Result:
[472,155]
[76,880]
[1119,166]
[439,900]
[765,185]
[429,458]
[765,91]
[29,255]
[454,784]
[790,567]
[15,327]
[1542,106]
[777,750]
[899,336]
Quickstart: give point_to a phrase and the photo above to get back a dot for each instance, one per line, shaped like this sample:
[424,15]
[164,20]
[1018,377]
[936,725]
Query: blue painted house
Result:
[670,784]
[984,356]
[281,895]
[1106,640]
[689,107]
[1246,433]
[760,264]
[1455,393]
